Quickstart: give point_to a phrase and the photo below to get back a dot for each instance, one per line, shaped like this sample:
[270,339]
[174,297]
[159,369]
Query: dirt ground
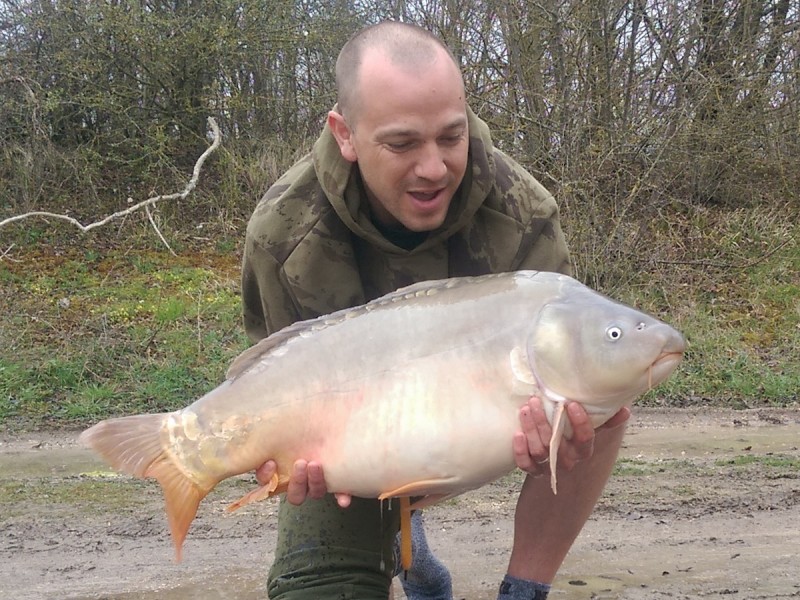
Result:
[703,504]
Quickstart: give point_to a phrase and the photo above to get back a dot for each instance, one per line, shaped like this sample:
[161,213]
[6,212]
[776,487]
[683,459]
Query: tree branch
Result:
[143,204]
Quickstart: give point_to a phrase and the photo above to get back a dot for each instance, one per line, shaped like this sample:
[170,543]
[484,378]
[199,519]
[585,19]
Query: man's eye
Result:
[399,146]
[451,140]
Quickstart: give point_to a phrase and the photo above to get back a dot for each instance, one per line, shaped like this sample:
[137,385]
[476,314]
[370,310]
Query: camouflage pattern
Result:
[311,249]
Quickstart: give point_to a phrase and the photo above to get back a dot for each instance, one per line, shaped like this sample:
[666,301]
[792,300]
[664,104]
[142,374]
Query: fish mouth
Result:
[667,357]
[662,366]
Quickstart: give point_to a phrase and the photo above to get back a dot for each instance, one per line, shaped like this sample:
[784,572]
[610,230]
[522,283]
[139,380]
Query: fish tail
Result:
[133,445]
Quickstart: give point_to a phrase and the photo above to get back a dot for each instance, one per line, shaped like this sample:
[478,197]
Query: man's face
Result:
[410,139]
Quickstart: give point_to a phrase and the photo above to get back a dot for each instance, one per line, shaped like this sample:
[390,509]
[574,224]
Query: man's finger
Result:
[540,418]
[523,458]
[521,455]
[581,446]
[343,500]
[536,429]
[317,487]
[265,472]
[298,483]
[582,428]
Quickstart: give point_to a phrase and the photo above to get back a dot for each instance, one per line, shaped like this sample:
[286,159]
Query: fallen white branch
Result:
[158,231]
[143,204]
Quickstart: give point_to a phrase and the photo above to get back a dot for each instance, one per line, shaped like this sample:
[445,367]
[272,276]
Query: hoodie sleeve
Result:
[267,301]
[539,243]
[298,257]
[546,247]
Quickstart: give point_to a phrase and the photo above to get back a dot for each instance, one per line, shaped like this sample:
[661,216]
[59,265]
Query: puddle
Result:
[43,457]
[48,462]
[707,441]
[225,585]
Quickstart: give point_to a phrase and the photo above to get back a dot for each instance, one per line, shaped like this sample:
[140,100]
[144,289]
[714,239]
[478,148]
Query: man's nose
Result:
[430,163]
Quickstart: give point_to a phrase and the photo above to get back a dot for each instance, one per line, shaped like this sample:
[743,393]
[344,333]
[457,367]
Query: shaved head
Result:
[408,47]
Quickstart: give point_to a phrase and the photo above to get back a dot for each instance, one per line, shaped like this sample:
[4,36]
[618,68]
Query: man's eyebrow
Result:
[400,132]
[397,132]
[459,123]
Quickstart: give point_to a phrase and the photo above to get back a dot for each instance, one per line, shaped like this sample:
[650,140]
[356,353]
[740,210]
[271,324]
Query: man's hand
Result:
[306,481]
[532,444]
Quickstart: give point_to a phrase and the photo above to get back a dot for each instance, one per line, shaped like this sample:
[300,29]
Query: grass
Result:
[84,490]
[776,461]
[685,473]
[135,332]
[97,328]
[730,281]
[631,467]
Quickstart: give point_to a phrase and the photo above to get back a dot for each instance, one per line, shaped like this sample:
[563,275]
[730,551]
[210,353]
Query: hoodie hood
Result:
[341,182]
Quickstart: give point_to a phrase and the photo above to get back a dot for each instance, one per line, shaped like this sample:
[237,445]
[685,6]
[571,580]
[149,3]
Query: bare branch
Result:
[6,252]
[23,83]
[143,204]
[158,231]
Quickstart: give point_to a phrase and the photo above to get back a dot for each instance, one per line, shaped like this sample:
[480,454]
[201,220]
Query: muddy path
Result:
[703,504]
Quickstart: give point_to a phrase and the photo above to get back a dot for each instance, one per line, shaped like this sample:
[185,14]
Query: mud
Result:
[703,504]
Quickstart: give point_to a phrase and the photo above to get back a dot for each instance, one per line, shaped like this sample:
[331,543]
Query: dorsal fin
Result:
[422,289]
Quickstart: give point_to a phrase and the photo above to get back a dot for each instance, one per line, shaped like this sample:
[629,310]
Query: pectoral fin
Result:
[416,488]
[273,487]
[559,421]
[524,382]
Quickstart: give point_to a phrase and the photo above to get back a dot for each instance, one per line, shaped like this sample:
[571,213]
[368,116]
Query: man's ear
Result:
[344,136]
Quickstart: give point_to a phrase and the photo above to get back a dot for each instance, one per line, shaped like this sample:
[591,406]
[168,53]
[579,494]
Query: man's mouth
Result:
[425,196]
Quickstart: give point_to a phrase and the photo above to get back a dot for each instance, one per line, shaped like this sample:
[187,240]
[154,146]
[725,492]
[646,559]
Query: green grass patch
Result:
[685,490]
[92,337]
[777,461]
[731,285]
[92,331]
[87,491]
[634,467]
[631,467]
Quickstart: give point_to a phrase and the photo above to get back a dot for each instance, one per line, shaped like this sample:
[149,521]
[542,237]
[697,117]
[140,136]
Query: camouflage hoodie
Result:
[311,247]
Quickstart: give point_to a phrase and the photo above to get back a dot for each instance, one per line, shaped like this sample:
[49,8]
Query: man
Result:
[405,185]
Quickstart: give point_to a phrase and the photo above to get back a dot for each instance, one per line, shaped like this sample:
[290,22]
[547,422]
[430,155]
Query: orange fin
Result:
[275,486]
[182,497]
[415,488]
[559,421]
[133,445]
[405,533]
[129,444]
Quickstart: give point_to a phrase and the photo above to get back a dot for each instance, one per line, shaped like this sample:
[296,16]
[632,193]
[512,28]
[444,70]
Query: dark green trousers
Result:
[325,552]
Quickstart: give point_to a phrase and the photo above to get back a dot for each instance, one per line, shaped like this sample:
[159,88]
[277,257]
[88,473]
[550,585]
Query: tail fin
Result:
[133,445]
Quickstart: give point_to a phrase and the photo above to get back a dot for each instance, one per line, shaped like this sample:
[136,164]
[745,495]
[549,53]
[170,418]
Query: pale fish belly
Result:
[444,423]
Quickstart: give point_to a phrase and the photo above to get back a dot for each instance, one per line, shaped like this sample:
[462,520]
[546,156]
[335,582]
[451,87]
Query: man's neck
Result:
[400,236]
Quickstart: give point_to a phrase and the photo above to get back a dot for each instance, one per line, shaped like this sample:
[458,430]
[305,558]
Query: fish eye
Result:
[613,333]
